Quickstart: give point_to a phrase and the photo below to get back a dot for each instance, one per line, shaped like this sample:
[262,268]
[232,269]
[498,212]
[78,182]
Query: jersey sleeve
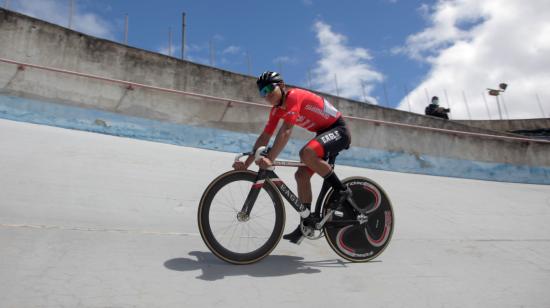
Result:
[271,122]
[293,105]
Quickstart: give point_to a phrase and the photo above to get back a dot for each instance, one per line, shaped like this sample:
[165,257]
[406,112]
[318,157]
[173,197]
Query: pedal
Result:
[309,232]
[339,214]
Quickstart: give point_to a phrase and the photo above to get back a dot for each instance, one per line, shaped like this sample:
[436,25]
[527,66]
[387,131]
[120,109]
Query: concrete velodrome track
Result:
[90,220]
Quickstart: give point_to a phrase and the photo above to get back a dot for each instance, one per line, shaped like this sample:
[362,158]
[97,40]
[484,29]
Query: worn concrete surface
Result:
[89,220]
[510,125]
[41,112]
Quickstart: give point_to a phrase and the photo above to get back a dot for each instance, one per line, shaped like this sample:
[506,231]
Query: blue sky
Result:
[409,50]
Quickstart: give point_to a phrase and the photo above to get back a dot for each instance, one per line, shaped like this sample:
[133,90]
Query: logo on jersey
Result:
[317,111]
[290,113]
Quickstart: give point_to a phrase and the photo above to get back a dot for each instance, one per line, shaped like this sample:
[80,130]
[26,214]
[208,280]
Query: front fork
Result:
[244,214]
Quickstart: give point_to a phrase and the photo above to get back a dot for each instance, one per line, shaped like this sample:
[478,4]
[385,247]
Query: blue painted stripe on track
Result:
[46,113]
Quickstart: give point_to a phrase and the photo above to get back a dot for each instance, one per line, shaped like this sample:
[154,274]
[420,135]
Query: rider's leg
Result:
[312,155]
[311,158]
[303,179]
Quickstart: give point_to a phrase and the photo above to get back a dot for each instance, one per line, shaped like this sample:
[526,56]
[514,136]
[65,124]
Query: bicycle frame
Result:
[283,189]
[357,234]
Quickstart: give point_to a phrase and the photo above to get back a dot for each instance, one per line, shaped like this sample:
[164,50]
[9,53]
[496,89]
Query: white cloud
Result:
[346,66]
[174,50]
[198,59]
[472,45]
[285,60]
[57,12]
[195,48]
[93,25]
[218,37]
[232,50]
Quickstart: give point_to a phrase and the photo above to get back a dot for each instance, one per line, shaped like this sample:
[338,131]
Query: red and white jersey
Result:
[305,109]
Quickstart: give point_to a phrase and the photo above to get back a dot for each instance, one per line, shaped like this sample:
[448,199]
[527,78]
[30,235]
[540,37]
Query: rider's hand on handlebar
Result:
[264,162]
[239,165]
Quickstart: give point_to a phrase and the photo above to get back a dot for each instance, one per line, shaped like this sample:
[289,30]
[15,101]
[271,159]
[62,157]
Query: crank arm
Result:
[320,224]
[355,206]
[341,223]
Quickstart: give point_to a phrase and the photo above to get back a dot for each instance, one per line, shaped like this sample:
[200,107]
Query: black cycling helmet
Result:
[268,78]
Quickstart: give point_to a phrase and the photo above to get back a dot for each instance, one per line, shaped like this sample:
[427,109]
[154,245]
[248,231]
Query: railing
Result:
[131,85]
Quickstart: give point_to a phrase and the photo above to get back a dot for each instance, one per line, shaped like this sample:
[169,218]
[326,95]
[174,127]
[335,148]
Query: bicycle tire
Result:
[246,178]
[361,243]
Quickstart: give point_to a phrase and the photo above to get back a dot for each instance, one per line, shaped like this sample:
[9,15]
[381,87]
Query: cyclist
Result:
[309,111]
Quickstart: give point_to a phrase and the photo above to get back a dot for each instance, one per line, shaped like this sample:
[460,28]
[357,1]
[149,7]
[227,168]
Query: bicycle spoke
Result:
[223,202]
[255,232]
[260,216]
[234,238]
[224,229]
[231,205]
[261,227]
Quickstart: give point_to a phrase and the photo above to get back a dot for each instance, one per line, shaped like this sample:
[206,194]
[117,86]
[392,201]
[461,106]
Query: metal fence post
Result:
[386,95]
[540,105]
[448,101]
[486,105]
[505,108]
[126,29]
[183,36]
[248,63]
[71,10]
[363,91]
[336,83]
[407,97]
[170,41]
[466,104]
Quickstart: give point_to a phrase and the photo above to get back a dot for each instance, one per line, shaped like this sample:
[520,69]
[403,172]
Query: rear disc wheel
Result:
[360,242]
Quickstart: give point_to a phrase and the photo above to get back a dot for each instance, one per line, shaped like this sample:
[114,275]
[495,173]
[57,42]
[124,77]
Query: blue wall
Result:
[39,112]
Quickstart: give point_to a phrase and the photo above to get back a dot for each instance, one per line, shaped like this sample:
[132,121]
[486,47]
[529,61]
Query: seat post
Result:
[332,159]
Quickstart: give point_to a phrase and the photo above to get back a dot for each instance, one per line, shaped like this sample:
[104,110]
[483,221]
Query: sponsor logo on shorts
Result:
[331,137]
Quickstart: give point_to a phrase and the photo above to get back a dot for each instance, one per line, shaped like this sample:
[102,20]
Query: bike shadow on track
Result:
[272,266]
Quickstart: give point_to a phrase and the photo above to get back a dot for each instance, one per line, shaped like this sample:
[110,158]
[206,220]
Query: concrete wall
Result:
[394,148]
[510,125]
[30,40]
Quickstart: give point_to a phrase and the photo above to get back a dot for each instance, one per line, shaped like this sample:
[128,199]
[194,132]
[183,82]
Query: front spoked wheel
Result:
[360,242]
[229,235]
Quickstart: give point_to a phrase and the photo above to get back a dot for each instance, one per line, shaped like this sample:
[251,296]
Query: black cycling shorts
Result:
[332,140]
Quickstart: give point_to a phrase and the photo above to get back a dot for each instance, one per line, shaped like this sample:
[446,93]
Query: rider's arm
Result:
[262,140]
[280,141]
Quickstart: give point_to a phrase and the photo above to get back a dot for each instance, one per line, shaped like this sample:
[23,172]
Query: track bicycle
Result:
[241,215]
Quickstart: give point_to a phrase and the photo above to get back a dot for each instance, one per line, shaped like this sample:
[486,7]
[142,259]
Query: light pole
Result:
[71,12]
[183,36]
[126,30]
[496,93]
[170,41]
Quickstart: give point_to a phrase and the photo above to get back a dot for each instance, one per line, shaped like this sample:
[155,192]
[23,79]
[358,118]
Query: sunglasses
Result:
[267,89]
